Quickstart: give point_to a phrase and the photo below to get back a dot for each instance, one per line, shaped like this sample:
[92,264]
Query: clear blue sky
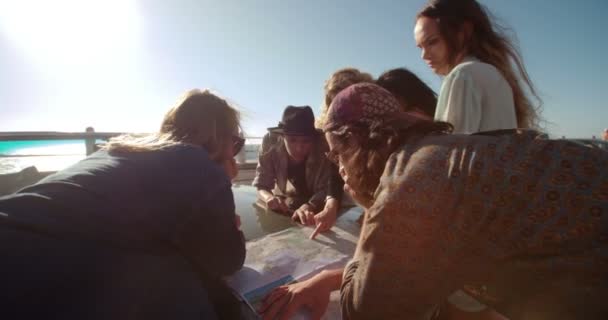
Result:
[118,65]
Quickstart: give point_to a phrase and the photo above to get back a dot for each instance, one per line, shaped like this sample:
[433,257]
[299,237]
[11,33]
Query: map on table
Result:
[287,256]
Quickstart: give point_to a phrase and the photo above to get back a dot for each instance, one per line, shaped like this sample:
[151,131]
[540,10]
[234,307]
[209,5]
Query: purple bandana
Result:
[364,103]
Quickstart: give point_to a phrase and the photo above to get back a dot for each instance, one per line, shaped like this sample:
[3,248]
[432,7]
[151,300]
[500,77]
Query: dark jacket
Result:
[174,207]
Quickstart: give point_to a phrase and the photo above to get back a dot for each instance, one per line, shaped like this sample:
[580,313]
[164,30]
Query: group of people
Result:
[294,176]
[469,212]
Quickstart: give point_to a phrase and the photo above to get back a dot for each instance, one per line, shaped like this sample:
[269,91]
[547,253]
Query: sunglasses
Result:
[333,157]
[237,144]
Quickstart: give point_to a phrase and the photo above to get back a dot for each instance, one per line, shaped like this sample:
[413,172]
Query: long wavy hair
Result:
[490,43]
[339,81]
[368,147]
[200,118]
[410,90]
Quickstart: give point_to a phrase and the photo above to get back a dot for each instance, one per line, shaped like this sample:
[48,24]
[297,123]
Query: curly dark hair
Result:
[374,143]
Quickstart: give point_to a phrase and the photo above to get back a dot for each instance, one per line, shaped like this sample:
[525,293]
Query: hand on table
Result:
[277,204]
[304,215]
[283,302]
[326,219]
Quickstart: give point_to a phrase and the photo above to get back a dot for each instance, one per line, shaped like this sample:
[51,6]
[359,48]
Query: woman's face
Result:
[227,154]
[344,167]
[434,48]
[298,147]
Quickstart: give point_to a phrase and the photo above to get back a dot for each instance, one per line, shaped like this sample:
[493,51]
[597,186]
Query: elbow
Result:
[351,308]
[237,258]
[233,258]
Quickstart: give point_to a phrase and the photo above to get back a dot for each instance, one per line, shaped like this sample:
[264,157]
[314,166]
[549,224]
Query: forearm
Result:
[332,204]
[318,200]
[264,195]
[331,278]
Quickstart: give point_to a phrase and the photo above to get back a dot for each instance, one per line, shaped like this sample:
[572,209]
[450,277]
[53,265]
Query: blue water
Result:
[45,155]
[24,147]
[54,155]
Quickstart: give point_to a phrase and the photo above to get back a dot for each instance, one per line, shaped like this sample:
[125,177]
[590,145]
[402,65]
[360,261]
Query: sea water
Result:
[54,155]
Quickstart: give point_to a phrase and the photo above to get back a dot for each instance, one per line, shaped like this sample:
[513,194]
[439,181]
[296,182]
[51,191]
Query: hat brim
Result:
[282,131]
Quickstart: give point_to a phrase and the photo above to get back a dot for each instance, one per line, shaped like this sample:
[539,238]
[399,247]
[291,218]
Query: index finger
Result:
[316,231]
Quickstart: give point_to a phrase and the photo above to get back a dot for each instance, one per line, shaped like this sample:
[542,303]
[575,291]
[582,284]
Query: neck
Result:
[294,161]
[458,59]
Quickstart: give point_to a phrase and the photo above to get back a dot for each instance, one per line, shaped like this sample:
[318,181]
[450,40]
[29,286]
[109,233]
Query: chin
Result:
[296,159]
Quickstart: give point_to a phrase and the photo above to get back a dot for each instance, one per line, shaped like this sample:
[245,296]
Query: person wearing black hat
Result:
[293,172]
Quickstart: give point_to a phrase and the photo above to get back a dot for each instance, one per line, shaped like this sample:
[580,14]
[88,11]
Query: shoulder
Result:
[406,186]
[272,144]
[474,66]
[186,154]
[418,159]
[476,70]
[190,159]
[271,141]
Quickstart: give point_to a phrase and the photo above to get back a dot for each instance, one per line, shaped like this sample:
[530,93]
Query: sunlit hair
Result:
[490,43]
[368,147]
[200,118]
[409,90]
[338,81]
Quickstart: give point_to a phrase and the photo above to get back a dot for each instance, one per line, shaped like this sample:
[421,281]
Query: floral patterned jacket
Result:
[519,221]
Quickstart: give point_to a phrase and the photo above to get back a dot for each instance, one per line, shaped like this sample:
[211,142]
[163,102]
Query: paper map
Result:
[288,256]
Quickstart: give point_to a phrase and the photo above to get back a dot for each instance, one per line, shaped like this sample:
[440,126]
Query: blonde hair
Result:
[490,43]
[200,118]
[339,81]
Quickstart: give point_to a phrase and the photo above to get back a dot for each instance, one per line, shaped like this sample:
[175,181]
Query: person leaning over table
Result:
[292,174]
[145,228]
[339,80]
[414,97]
[522,214]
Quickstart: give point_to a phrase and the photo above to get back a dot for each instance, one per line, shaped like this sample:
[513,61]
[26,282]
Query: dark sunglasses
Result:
[237,144]
[333,156]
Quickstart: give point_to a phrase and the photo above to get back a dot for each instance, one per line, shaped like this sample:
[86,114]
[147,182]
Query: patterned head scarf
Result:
[364,104]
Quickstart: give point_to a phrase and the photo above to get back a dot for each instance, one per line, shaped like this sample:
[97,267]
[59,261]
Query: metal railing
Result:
[91,140]
[90,136]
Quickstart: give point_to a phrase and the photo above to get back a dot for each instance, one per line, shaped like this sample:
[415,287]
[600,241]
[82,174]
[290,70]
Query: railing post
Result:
[89,142]
[241,156]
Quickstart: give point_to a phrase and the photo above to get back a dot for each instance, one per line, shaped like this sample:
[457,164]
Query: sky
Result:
[119,65]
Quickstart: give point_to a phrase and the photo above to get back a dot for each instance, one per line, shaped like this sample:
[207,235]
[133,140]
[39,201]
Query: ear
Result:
[466,32]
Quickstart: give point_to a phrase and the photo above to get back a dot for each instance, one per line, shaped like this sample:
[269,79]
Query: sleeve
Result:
[336,184]
[460,102]
[209,236]
[265,174]
[402,265]
[321,185]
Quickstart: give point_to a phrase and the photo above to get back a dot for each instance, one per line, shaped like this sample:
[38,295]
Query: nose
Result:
[424,54]
[300,149]
[342,172]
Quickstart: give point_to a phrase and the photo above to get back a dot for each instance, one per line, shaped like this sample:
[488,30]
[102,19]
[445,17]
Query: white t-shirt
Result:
[476,97]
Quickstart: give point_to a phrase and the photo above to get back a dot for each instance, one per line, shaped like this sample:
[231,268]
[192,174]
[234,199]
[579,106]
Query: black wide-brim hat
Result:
[296,121]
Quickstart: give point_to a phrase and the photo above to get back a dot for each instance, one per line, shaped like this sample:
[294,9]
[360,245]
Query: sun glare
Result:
[70,31]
